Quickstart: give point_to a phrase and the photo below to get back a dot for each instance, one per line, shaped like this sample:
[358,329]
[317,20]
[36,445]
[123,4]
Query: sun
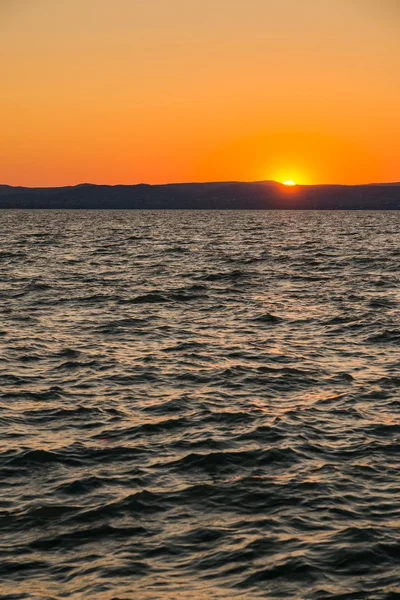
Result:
[289,182]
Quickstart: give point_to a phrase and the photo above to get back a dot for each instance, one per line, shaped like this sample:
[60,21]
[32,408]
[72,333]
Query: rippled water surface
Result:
[199,405]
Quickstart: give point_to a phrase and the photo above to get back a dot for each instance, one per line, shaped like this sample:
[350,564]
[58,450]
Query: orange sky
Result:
[128,91]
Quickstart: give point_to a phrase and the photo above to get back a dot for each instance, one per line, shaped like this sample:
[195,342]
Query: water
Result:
[199,405]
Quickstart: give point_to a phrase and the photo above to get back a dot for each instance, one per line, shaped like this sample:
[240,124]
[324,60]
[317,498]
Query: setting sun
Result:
[289,182]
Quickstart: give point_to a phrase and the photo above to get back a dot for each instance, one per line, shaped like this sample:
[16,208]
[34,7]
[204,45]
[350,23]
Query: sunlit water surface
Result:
[199,405]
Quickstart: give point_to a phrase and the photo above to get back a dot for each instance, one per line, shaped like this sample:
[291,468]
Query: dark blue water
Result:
[199,405]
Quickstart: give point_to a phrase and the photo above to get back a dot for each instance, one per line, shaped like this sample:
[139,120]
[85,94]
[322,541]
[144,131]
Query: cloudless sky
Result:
[127,91]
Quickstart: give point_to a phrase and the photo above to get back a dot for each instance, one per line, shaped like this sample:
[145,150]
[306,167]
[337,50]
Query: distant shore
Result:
[260,195]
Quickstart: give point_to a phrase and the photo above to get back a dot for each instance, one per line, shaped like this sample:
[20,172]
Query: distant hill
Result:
[218,196]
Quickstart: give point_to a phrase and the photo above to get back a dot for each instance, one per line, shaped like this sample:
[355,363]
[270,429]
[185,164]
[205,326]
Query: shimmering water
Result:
[199,405]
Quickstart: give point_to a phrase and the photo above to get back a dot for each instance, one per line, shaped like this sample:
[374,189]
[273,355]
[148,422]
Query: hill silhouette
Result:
[216,195]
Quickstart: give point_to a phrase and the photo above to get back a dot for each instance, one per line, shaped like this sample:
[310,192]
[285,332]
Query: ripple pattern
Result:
[199,405]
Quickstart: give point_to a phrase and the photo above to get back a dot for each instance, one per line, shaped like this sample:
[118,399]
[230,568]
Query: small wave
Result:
[68,353]
[38,458]
[267,318]
[151,298]
[390,336]
[234,275]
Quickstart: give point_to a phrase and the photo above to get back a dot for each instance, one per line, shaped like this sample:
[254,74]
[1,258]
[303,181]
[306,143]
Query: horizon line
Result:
[266,181]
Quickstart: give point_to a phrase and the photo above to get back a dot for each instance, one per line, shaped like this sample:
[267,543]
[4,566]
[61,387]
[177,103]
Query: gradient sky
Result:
[128,91]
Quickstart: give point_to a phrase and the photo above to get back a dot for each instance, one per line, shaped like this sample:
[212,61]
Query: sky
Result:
[156,91]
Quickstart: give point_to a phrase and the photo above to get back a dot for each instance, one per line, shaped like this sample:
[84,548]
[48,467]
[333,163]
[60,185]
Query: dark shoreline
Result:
[205,196]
